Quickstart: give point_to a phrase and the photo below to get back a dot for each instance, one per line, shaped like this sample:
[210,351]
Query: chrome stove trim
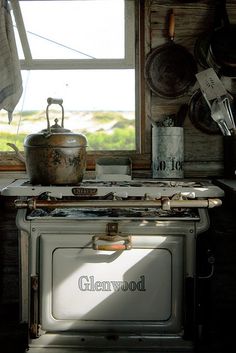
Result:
[153,188]
[165,203]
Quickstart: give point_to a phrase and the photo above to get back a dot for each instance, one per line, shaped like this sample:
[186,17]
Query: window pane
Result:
[74,29]
[99,103]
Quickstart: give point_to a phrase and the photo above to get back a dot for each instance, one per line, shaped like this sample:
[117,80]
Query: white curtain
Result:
[10,74]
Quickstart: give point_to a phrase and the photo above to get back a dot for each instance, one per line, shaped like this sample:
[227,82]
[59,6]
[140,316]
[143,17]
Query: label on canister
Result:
[167,152]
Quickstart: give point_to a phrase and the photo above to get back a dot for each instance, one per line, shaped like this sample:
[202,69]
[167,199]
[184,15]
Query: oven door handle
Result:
[126,245]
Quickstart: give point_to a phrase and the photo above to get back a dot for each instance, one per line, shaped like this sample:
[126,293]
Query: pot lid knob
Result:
[56,125]
[56,128]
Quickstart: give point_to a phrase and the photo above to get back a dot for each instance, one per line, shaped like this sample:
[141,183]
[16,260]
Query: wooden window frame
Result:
[141,157]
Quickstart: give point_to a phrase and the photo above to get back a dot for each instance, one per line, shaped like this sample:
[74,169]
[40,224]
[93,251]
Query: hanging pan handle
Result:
[172,25]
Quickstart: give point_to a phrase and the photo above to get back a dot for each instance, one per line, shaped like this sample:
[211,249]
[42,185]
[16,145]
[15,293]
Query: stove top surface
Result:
[132,213]
[155,188]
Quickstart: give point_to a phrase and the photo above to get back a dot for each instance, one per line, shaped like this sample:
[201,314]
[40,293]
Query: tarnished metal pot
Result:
[55,156]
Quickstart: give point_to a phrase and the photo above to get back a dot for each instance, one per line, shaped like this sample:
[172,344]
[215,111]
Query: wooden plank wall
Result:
[9,281]
[203,152]
[13,335]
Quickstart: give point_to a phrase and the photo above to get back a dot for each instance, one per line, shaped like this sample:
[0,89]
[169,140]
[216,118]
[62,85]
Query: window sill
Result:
[9,161]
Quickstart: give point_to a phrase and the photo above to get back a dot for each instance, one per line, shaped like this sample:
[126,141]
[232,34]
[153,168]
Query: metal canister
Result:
[167,152]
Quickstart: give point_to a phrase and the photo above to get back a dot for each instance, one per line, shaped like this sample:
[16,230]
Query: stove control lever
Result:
[120,195]
[165,202]
[189,194]
[55,194]
[47,195]
[154,196]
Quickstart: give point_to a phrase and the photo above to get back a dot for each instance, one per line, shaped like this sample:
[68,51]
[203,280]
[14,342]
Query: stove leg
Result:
[34,312]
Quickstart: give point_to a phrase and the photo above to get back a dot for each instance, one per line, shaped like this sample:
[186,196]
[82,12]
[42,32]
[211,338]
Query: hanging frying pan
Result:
[170,69]
[217,47]
[200,114]
[222,45]
[202,44]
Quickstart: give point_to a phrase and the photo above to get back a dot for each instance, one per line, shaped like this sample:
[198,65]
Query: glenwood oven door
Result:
[88,291]
[95,290]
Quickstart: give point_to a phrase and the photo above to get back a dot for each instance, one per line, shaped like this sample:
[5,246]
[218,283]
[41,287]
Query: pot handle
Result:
[51,101]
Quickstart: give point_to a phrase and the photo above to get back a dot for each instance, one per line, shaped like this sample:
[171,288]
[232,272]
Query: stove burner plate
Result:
[90,213]
[138,183]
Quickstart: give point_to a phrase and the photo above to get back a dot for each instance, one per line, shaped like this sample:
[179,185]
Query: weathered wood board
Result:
[203,152]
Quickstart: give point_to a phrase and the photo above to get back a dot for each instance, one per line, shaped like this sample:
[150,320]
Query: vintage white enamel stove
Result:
[111,265]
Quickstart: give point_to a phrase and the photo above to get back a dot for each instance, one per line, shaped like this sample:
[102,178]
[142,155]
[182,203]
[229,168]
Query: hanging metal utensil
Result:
[210,85]
[217,99]
[225,107]
[218,117]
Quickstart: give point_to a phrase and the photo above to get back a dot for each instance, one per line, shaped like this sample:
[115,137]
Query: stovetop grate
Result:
[131,213]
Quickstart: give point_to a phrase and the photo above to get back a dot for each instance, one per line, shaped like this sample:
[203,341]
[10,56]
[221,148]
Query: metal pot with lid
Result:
[55,156]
